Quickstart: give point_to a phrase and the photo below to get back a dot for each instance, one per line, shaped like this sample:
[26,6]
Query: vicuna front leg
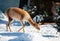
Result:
[22,27]
[8,25]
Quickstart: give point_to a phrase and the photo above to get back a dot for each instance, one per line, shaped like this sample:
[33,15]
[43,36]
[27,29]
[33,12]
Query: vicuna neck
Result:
[31,22]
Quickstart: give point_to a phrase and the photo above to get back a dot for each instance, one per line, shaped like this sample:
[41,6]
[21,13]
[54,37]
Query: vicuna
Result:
[21,15]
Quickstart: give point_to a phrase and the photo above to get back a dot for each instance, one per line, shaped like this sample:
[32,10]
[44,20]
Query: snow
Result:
[47,32]
[15,36]
[3,17]
[39,18]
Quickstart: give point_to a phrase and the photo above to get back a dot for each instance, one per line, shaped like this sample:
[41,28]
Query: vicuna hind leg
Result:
[22,27]
[8,25]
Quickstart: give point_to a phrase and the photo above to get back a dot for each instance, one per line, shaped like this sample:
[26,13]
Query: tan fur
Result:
[20,15]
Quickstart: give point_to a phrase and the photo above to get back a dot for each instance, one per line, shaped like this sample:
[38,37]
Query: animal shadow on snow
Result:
[20,36]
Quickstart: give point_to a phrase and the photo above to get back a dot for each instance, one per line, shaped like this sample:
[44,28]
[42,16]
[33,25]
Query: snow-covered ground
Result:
[46,33]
